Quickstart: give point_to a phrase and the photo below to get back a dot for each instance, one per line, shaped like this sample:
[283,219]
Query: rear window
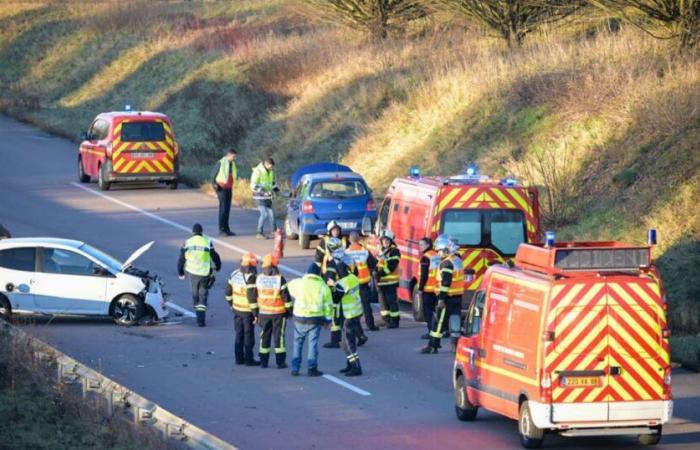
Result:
[142,131]
[18,259]
[501,230]
[338,189]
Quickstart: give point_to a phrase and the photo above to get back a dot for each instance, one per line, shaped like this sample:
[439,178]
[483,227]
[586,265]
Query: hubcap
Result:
[125,311]
[525,423]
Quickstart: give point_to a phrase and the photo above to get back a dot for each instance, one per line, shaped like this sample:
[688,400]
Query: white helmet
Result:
[333,224]
[387,234]
[442,243]
[454,245]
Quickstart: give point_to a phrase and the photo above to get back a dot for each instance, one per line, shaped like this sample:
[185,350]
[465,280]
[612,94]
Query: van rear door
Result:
[143,146]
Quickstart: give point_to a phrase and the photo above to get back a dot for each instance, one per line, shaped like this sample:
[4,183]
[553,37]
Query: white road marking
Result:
[235,248]
[342,383]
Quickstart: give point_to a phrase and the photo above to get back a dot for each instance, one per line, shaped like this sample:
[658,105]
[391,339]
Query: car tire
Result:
[5,308]
[102,182]
[127,310]
[172,185]
[465,410]
[304,240]
[288,230]
[82,176]
[417,305]
[651,439]
[530,435]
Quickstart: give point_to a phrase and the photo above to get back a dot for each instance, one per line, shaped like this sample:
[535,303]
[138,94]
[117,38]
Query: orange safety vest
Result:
[456,288]
[359,256]
[382,262]
[269,294]
[431,286]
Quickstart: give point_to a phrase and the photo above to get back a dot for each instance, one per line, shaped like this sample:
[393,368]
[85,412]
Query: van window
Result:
[338,189]
[507,228]
[384,213]
[472,326]
[501,230]
[142,131]
[464,226]
[18,259]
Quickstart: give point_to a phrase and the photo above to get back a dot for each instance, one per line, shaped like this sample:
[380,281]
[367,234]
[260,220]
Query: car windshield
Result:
[338,189]
[499,229]
[142,131]
[108,261]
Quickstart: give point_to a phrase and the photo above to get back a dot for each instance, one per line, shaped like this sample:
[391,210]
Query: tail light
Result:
[667,384]
[666,333]
[548,336]
[546,387]
[307,207]
[176,148]
[546,381]
[370,205]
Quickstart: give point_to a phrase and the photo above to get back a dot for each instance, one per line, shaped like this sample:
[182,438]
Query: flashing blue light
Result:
[510,181]
[549,239]
[651,240]
[127,107]
[471,170]
[415,172]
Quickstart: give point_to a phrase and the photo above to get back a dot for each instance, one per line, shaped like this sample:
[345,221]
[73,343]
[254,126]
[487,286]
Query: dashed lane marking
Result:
[342,383]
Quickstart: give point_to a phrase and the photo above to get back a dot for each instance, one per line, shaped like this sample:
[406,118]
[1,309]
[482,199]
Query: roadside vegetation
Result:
[592,107]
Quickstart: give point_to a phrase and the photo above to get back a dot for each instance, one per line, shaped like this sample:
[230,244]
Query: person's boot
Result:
[264,358]
[393,323]
[281,360]
[335,340]
[429,349]
[348,366]
[314,372]
[252,362]
[362,340]
[201,318]
[355,369]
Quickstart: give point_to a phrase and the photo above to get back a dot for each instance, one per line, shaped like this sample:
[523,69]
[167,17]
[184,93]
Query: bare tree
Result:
[376,17]
[663,19]
[511,19]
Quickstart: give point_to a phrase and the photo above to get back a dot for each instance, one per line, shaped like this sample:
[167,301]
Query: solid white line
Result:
[342,383]
[180,309]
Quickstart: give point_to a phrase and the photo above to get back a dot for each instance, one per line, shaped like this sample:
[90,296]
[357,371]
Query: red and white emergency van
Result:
[129,146]
[489,219]
[570,338]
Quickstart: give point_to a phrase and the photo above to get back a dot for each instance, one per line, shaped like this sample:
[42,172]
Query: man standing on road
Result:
[312,310]
[387,276]
[275,305]
[362,264]
[347,295]
[263,183]
[242,294]
[450,280]
[199,259]
[329,272]
[427,281]
[223,176]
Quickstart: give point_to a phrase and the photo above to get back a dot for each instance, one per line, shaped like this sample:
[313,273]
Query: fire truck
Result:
[489,218]
[571,337]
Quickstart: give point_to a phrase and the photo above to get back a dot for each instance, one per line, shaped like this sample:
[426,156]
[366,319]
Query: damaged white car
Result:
[66,277]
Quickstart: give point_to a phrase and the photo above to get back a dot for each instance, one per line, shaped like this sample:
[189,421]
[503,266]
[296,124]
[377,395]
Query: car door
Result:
[294,207]
[17,270]
[69,282]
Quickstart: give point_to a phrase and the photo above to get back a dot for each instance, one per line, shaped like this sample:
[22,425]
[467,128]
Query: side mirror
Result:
[366,229]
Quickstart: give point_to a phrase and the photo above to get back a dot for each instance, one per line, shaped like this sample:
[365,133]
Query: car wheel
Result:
[304,240]
[530,435]
[171,185]
[82,177]
[651,439]
[464,409]
[288,230]
[417,305]
[127,310]
[5,308]
[102,182]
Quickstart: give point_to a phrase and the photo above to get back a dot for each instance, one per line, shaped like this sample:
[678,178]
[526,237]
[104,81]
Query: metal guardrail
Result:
[119,399]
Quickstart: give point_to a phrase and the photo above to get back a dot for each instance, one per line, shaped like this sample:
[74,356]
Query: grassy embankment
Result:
[611,122]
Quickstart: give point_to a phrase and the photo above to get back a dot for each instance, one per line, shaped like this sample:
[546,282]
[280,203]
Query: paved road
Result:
[190,370]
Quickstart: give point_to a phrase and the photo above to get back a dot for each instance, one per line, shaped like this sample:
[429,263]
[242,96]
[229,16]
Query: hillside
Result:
[608,122]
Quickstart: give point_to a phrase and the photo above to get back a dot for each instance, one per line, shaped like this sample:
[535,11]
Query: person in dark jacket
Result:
[242,295]
[223,176]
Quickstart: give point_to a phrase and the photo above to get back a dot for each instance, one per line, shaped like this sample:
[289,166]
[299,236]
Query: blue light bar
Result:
[415,172]
[127,107]
[549,239]
[510,181]
[471,170]
[651,240]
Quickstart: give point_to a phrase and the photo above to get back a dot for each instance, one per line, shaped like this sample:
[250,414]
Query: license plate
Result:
[346,224]
[580,381]
[142,155]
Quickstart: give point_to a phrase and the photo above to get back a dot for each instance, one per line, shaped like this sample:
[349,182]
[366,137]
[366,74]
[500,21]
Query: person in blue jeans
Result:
[313,309]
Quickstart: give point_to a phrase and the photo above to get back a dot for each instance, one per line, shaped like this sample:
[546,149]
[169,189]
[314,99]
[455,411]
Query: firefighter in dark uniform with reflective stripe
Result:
[322,252]
[427,281]
[386,274]
[362,263]
[199,259]
[451,288]
[347,295]
[242,294]
[274,306]
[329,272]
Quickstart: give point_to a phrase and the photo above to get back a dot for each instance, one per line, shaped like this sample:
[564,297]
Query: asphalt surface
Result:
[404,400]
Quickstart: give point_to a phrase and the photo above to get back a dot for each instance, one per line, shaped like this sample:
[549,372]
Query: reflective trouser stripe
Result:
[437,333]
[335,326]
[384,312]
[283,347]
[353,357]
[394,314]
[200,307]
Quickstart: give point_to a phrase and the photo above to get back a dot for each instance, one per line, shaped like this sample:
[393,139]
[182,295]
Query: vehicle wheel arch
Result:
[113,302]
[6,300]
[522,398]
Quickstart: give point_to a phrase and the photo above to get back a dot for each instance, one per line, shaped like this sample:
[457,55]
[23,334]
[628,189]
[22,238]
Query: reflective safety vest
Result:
[351,302]
[197,256]
[222,176]
[431,286]
[359,255]
[239,295]
[262,181]
[389,254]
[269,294]
[456,288]
[312,298]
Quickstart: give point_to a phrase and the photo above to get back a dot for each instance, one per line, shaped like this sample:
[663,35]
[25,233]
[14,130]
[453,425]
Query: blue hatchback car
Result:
[323,192]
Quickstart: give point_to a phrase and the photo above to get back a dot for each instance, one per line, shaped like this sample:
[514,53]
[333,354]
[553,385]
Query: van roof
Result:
[455,181]
[140,114]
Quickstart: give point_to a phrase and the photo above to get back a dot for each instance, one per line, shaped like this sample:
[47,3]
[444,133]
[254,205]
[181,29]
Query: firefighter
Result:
[313,308]
[263,183]
[322,253]
[386,274]
[450,280]
[199,259]
[223,176]
[274,306]
[242,294]
[362,263]
[329,272]
[427,281]
[347,296]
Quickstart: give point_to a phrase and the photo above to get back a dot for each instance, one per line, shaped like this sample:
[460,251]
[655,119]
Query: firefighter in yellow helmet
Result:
[242,295]
[274,306]
[199,259]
